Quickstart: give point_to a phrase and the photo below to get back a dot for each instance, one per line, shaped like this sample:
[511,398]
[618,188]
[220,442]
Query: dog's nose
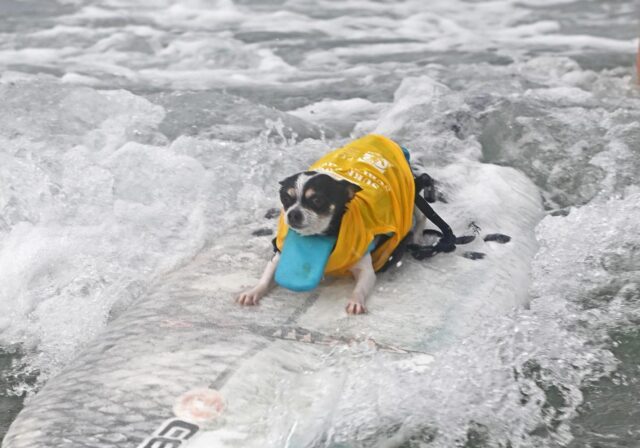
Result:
[295,217]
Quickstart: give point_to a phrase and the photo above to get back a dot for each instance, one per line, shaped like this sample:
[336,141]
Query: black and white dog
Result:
[314,203]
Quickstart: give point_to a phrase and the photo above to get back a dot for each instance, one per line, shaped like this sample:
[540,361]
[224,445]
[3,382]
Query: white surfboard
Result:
[187,367]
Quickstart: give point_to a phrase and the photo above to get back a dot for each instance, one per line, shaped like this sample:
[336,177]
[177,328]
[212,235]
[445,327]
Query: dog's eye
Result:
[317,201]
[288,197]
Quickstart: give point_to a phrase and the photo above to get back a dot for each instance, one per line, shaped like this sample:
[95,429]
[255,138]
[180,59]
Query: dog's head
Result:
[314,203]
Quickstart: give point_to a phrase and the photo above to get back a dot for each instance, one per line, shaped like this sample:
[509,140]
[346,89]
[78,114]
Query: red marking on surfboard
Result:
[200,405]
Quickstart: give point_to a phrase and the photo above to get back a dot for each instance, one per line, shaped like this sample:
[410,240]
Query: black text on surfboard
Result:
[172,434]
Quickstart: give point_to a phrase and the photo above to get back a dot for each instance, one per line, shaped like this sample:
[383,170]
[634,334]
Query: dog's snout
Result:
[295,217]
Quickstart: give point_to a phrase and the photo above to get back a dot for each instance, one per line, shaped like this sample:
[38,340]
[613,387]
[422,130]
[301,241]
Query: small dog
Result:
[368,181]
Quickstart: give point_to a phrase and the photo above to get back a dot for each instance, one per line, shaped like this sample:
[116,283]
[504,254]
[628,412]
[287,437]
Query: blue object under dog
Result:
[303,260]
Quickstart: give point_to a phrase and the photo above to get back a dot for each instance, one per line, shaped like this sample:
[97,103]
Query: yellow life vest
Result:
[383,206]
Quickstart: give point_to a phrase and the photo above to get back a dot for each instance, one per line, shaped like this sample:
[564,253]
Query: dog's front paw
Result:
[356,306]
[250,297]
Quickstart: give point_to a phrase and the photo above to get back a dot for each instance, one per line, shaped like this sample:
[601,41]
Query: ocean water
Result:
[133,135]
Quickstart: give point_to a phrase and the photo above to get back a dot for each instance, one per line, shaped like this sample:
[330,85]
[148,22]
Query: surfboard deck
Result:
[188,367]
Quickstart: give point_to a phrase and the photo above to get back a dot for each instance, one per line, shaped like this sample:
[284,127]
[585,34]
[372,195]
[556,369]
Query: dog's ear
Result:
[289,181]
[351,188]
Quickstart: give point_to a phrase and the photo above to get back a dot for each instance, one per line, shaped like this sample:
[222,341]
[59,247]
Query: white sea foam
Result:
[96,205]
[340,115]
[86,217]
[195,44]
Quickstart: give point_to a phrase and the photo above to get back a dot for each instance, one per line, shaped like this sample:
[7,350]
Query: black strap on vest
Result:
[447,243]
[425,183]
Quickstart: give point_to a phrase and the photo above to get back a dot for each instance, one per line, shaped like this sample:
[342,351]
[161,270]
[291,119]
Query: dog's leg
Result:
[365,280]
[253,295]
[420,223]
